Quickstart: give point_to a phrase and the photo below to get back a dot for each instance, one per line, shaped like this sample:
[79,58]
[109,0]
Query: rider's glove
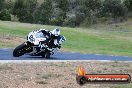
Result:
[59,47]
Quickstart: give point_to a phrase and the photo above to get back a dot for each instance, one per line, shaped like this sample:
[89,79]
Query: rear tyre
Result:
[46,55]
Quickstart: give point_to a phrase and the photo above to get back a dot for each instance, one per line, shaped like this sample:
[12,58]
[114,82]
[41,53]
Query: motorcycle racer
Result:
[54,37]
[40,42]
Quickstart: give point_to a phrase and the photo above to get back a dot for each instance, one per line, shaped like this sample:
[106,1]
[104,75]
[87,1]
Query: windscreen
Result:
[39,35]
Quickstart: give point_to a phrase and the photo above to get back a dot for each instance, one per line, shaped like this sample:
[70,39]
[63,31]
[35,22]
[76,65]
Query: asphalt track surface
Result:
[6,54]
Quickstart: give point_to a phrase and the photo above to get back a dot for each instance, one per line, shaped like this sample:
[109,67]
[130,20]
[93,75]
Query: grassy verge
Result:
[102,39]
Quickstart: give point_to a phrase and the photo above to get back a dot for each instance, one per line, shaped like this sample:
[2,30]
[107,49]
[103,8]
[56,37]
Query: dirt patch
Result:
[10,40]
[57,74]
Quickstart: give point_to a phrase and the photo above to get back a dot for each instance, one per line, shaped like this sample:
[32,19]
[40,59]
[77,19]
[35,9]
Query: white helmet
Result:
[56,32]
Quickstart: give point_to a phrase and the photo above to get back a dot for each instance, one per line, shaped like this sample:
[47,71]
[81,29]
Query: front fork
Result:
[28,46]
[27,43]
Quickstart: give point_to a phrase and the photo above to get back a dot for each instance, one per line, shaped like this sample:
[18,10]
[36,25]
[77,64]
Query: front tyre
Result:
[18,51]
[22,49]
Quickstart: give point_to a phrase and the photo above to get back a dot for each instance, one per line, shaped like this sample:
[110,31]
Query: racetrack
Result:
[6,54]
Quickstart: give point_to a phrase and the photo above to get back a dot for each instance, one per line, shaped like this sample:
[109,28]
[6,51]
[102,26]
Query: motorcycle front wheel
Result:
[21,50]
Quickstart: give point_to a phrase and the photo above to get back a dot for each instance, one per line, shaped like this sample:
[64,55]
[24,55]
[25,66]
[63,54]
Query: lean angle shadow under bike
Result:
[36,45]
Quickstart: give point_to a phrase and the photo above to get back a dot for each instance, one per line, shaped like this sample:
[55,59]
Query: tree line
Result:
[65,12]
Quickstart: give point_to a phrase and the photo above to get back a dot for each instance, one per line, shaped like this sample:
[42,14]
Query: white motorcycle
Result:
[37,45]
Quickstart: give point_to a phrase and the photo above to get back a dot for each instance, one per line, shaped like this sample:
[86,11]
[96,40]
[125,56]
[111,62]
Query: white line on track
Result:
[29,61]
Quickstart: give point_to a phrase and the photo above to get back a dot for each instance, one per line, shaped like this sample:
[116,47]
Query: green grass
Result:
[102,39]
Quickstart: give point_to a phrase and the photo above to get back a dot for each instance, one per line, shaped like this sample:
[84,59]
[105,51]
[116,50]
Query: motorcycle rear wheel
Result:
[46,55]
